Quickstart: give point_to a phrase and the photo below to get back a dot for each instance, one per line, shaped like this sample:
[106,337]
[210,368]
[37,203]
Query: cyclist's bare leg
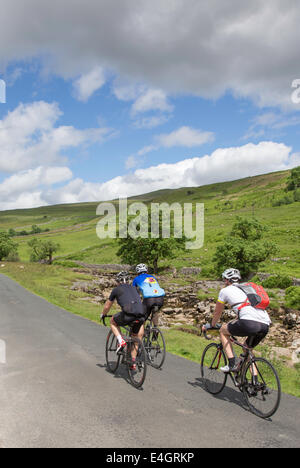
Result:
[225,338]
[139,335]
[115,329]
[155,319]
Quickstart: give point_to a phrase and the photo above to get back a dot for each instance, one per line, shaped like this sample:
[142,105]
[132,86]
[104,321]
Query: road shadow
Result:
[121,373]
[229,394]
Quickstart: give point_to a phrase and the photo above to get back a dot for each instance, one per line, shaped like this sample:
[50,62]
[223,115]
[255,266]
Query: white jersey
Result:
[235,297]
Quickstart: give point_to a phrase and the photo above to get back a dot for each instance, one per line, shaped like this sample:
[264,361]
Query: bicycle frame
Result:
[254,376]
[133,355]
[248,355]
[149,334]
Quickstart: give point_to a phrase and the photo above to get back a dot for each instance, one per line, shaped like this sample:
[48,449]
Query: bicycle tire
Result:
[112,358]
[268,388]
[155,346]
[137,376]
[213,358]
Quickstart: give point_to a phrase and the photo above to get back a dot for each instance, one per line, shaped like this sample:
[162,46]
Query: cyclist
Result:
[252,323]
[132,311]
[153,294]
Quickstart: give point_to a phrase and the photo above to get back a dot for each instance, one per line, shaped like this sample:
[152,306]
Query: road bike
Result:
[137,369]
[154,342]
[256,377]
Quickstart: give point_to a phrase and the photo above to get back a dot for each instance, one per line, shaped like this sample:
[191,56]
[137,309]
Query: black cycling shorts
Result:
[256,331]
[150,302]
[122,319]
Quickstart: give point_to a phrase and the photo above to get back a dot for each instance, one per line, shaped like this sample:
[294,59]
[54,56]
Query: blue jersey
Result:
[148,286]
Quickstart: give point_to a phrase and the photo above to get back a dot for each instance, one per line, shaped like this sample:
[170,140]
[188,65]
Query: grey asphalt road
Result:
[55,391]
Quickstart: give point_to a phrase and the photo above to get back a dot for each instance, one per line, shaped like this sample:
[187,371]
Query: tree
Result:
[42,250]
[248,229]
[244,248]
[149,250]
[7,245]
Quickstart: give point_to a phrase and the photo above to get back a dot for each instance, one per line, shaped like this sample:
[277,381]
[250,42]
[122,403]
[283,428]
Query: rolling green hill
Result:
[74,226]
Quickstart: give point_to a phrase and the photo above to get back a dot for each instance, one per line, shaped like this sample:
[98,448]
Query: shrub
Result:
[297,195]
[277,281]
[293,181]
[286,200]
[13,256]
[292,297]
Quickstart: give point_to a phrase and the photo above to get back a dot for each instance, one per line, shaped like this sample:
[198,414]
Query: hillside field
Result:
[74,226]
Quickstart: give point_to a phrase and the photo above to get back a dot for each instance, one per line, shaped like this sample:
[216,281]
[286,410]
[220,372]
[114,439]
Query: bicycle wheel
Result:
[156,348]
[212,359]
[136,369]
[112,358]
[263,397]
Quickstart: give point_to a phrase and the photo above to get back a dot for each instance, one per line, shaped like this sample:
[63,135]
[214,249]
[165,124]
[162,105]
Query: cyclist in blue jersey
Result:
[153,294]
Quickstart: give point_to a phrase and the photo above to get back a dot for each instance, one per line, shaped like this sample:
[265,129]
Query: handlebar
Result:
[104,317]
[217,327]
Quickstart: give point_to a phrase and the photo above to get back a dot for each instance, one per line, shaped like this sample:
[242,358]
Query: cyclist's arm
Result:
[107,307]
[217,314]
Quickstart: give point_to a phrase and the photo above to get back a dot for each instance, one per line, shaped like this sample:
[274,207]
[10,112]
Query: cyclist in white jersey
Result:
[251,322]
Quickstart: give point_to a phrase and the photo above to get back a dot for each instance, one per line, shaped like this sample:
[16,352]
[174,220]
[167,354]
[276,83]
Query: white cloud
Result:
[185,136]
[270,123]
[151,122]
[25,189]
[249,48]
[126,90]
[87,84]
[29,137]
[32,147]
[224,164]
[152,100]
[146,100]
[28,180]
[23,201]
[131,162]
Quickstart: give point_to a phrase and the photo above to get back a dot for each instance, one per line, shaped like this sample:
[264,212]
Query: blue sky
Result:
[152,96]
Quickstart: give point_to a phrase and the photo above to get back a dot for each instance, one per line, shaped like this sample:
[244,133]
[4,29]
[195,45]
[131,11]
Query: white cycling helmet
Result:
[122,277]
[141,268]
[232,275]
